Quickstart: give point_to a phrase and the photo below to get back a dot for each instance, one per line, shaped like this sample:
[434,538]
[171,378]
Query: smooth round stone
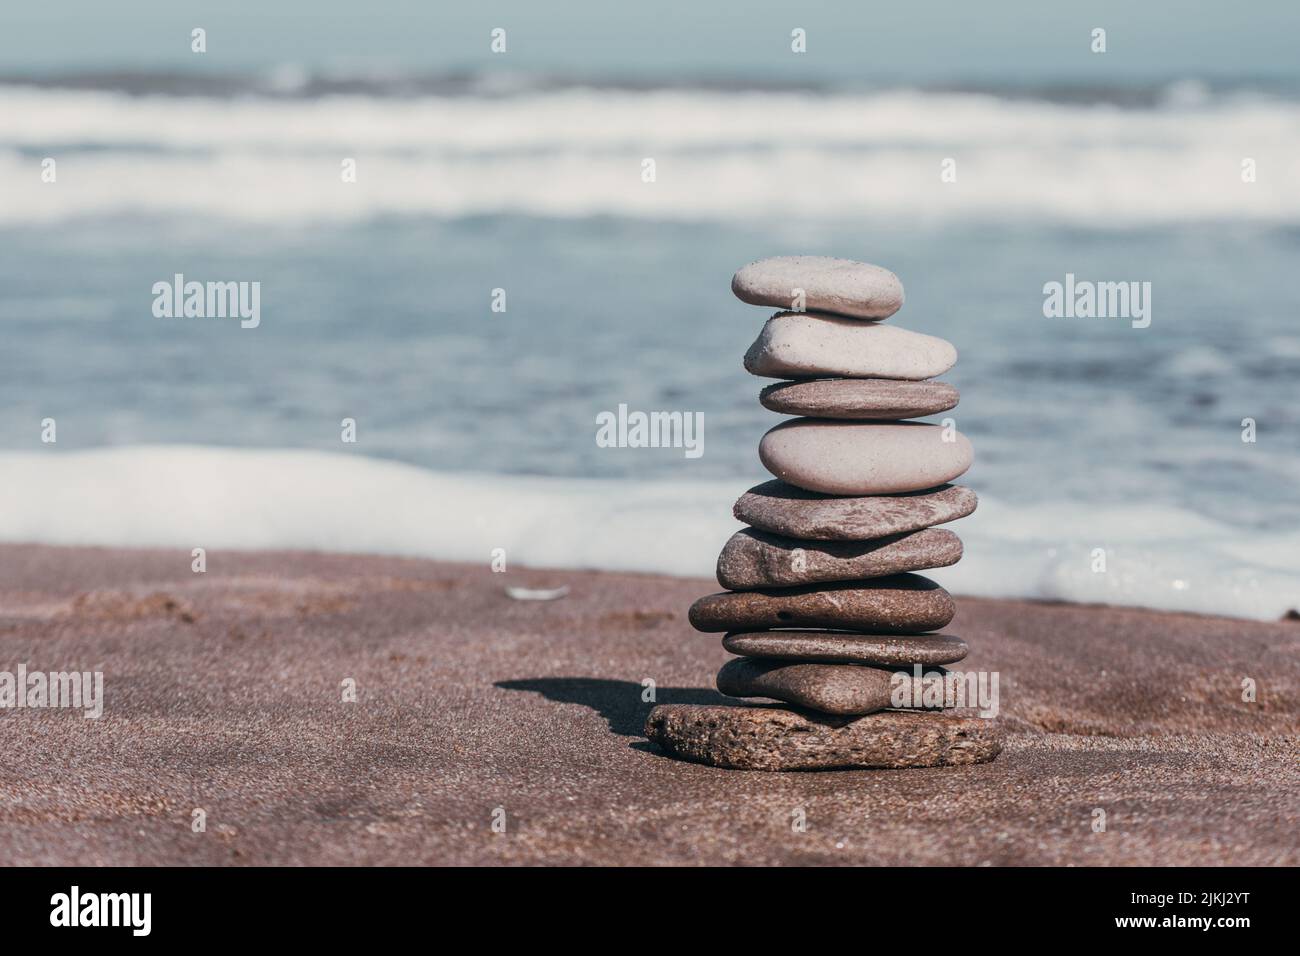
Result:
[842,286]
[842,689]
[775,738]
[845,690]
[759,559]
[873,398]
[842,647]
[907,603]
[863,458]
[788,510]
[813,345]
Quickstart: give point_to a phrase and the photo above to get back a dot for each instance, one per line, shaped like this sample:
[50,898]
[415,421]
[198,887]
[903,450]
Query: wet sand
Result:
[224,693]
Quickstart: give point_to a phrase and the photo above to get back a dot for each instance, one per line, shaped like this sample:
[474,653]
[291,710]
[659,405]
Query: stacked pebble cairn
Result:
[820,601]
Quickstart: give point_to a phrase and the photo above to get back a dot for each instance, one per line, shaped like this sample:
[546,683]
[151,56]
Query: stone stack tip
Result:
[820,284]
[822,603]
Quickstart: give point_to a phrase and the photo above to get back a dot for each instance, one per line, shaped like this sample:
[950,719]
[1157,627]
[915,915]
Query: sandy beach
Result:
[223,692]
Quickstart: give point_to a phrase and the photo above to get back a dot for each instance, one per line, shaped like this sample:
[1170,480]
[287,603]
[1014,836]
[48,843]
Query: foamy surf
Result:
[719,155]
[235,499]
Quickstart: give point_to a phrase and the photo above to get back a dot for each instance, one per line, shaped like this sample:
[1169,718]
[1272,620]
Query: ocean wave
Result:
[291,80]
[297,81]
[227,499]
[718,155]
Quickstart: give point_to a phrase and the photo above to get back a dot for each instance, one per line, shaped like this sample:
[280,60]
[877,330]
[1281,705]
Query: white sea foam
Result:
[217,498]
[719,155]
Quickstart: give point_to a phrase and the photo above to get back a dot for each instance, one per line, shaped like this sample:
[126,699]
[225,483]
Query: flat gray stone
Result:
[777,738]
[842,286]
[845,647]
[841,689]
[864,458]
[860,398]
[816,345]
[760,559]
[904,603]
[786,509]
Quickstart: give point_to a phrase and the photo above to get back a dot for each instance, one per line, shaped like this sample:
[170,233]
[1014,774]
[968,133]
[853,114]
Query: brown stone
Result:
[865,398]
[844,647]
[843,689]
[772,738]
[906,603]
[759,559]
[784,509]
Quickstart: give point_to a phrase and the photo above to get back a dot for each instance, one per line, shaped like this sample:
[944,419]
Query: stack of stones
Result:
[821,603]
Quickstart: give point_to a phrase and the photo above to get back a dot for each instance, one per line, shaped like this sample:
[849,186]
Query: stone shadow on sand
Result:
[618,701]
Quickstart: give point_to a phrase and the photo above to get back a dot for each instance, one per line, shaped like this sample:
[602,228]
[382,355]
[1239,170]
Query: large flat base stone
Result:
[775,738]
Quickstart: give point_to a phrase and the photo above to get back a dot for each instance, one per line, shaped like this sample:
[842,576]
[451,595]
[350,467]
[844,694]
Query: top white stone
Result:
[820,284]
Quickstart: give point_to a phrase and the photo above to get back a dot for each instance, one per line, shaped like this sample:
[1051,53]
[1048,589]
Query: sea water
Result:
[477,428]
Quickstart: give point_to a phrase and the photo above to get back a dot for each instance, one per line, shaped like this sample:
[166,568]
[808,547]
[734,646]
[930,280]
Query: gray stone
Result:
[786,509]
[760,559]
[814,345]
[845,647]
[864,458]
[842,286]
[776,738]
[904,603]
[859,398]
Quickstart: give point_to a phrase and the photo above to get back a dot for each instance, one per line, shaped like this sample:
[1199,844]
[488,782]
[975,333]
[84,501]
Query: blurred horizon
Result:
[930,41]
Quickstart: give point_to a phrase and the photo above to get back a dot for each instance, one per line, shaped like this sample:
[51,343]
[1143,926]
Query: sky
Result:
[930,40]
